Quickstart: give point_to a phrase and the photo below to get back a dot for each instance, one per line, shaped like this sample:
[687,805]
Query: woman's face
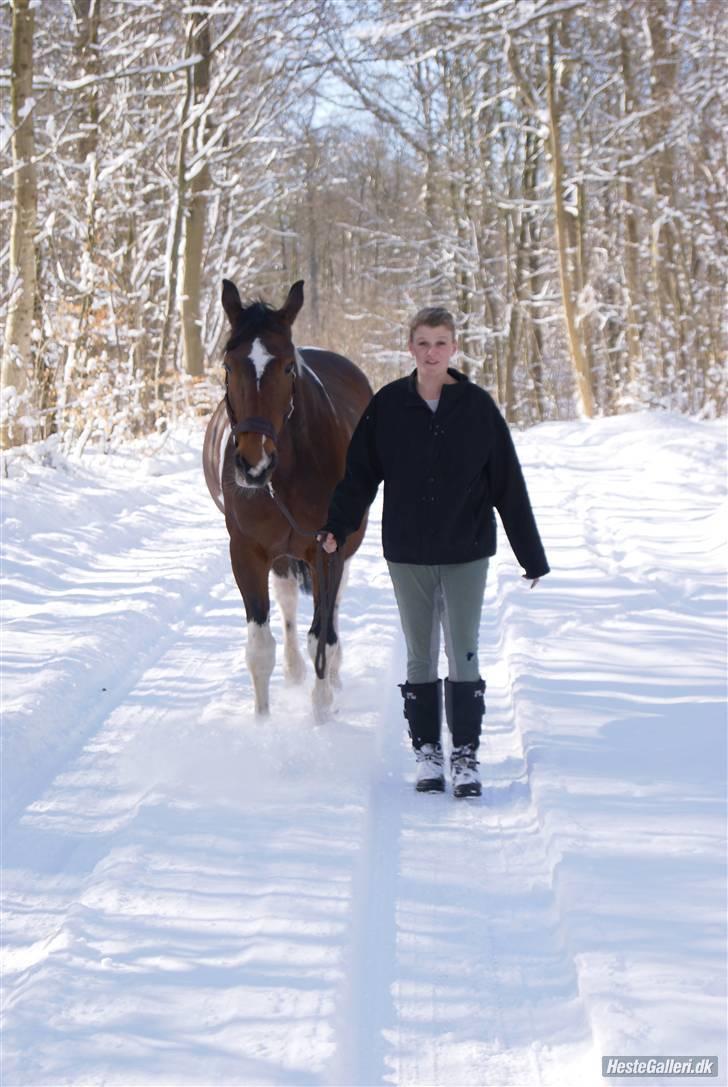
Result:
[432,349]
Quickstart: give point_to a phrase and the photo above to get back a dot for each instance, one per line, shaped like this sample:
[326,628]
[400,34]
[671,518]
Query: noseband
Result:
[255,425]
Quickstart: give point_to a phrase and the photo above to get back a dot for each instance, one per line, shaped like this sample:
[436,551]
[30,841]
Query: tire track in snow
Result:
[640,596]
[365,1003]
[95,601]
[503,618]
[184,880]
[439,987]
[101,700]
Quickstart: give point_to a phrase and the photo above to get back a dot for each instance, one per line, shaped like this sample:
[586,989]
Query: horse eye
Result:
[290,367]
[226,367]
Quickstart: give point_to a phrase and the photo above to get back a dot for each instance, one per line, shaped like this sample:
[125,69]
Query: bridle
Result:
[254,423]
[329,576]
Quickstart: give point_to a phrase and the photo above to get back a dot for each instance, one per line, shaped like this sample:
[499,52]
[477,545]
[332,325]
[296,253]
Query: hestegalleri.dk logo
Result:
[660,1066]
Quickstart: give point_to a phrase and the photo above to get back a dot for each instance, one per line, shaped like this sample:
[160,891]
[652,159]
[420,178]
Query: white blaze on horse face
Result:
[260,357]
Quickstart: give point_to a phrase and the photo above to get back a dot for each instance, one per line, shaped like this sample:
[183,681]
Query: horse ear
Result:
[231,301]
[293,303]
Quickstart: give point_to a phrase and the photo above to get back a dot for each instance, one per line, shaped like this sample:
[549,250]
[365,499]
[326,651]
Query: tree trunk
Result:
[17,360]
[87,14]
[433,258]
[174,238]
[515,294]
[535,275]
[194,355]
[578,358]
[631,242]
[672,308]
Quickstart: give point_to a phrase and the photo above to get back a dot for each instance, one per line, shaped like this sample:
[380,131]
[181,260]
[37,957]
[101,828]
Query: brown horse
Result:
[286,421]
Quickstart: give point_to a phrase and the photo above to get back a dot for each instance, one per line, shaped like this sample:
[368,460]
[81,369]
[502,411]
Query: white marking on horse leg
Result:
[322,694]
[285,590]
[261,656]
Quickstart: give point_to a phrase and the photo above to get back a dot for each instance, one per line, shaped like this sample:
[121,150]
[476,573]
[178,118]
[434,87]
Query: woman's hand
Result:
[329,544]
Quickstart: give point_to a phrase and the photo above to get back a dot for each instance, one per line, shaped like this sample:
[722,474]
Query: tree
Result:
[194,132]
[17,357]
[553,171]
[582,374]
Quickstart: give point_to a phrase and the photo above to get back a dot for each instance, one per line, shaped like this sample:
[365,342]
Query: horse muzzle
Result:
[249,472]
[255,475]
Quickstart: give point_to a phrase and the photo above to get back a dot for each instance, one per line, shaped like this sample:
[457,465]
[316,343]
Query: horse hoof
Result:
[322,700]
[295,672]
[322,715]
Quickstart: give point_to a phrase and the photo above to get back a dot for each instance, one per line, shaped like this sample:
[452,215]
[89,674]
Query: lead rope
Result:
[328,576]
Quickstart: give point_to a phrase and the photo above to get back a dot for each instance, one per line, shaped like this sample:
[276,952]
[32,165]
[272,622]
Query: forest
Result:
[553,171]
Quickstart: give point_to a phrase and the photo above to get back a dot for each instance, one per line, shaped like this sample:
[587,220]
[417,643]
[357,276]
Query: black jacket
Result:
[443,475]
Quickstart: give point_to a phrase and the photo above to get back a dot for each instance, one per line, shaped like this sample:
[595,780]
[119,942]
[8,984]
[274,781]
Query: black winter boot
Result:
[423,712]
[464,707]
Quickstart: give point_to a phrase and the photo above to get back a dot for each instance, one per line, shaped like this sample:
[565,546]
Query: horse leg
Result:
[251,575]
[334,667]
[323,694]
[285,590]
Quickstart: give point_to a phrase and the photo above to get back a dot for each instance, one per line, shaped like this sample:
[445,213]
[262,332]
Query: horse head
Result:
[260,375]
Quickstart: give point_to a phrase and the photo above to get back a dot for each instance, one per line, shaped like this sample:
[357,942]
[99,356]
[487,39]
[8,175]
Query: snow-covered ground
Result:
[192,897]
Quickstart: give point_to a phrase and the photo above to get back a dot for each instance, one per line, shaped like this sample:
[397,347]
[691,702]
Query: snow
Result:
[194,897]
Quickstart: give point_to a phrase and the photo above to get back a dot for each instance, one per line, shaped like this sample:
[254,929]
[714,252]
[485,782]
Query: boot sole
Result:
[474,789]
[431,785]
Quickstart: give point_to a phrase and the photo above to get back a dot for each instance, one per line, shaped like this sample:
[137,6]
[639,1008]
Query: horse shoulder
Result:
[345,384]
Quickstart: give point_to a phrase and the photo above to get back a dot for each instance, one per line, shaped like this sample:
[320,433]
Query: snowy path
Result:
[193,898]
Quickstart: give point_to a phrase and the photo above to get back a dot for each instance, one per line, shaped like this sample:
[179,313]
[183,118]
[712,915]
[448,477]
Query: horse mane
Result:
[255,317]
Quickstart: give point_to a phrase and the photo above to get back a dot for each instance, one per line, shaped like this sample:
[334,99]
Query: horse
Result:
[285,423]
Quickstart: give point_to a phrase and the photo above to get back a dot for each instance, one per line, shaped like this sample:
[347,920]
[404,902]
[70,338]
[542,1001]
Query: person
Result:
[445,454]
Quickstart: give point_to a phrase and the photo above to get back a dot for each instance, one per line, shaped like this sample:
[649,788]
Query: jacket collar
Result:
[449,395]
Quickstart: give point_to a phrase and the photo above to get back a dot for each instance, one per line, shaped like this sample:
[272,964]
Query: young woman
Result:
[447,460]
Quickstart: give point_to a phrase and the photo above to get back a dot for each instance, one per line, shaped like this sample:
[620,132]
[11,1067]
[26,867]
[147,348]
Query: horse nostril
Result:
[241,463]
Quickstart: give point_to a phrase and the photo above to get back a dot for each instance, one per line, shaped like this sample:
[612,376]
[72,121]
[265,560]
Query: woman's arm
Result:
[355,493]
[510,498]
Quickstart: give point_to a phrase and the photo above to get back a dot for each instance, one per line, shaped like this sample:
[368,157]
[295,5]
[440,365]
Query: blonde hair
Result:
[432,316]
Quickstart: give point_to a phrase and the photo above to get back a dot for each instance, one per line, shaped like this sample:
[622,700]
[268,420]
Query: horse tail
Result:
[214,437]
[288,567]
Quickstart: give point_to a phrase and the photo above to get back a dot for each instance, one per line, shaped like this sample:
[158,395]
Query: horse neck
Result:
[310,426]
